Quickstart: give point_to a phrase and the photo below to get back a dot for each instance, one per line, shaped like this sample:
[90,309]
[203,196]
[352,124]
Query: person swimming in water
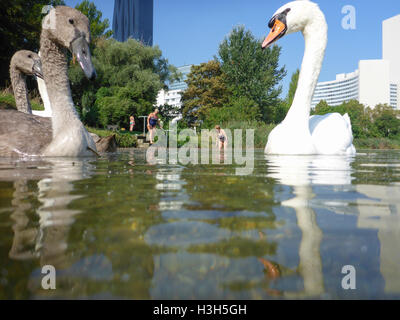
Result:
[152,121]
[221,138]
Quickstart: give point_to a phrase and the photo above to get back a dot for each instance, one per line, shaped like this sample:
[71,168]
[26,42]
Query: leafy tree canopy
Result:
[207,89]
[98,28]
[250,71]
[20,27]
[380,122]
[129,77]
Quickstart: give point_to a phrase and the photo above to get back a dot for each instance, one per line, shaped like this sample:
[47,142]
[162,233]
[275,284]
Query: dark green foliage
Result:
[292,89]
[129,78]
[98,28]
[206,90]
[20,27]
[240,84]
[252,72]
[124,139]
[381,122]
[241,109]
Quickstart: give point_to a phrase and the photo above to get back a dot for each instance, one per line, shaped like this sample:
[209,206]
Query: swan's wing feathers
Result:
[331,133]
[23,134]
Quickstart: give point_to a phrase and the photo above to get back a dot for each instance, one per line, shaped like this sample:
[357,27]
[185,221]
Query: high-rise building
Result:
[374,82]
[172,96]
[133,19]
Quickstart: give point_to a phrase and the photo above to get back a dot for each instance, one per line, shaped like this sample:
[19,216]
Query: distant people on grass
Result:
[221,138]
[131,123]
[152,121]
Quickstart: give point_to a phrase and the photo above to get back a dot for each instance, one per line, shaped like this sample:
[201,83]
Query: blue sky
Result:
[190,31]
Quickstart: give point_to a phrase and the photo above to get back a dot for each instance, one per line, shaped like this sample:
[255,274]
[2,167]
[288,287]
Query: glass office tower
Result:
[133,18]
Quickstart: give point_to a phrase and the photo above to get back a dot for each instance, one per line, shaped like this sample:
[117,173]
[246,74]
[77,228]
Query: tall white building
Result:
[391,53]
[172,96]
[374,82]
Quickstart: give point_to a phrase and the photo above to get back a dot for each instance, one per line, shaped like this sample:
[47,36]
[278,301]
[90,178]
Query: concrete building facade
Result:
[172,96]
[374,82]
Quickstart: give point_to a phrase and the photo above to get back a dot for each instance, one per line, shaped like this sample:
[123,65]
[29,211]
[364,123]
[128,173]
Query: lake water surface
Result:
[120,228]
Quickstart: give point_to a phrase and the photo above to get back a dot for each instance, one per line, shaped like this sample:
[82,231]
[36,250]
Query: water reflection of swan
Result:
[301,172]
[46,240]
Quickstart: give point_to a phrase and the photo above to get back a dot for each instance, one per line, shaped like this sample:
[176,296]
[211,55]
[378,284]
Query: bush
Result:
[124,140]
[261,130]
[377,143]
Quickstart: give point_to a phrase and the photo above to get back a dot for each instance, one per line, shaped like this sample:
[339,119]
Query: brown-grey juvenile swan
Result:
[299,133]
[26,62]
[23,134]
[23,63]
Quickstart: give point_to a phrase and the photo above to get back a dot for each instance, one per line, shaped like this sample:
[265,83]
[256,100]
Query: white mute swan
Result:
[299,133]
[23,134]
[23,62]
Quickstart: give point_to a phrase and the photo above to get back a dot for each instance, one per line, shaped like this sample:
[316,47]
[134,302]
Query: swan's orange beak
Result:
[277,31]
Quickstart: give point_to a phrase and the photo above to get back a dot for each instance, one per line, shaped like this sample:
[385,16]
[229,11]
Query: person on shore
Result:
[131,123]
[221,138]
[152,121]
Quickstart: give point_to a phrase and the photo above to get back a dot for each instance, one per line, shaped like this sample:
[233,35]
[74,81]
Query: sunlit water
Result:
[118,227]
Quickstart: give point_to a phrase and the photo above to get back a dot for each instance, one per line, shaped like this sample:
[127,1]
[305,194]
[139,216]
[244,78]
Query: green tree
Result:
[20,27]
[129,77]
[98,28]
[250,71]
[206,90]
[292,88]
[386,120]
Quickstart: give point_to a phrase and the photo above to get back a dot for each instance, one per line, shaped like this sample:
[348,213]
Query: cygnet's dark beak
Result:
[37,69]
[80,48]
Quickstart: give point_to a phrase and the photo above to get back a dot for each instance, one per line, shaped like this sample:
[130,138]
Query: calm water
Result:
[118,227]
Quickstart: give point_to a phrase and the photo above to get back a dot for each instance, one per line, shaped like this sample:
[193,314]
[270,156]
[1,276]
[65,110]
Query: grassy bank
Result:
[377,143]
[124,139]
[7,101]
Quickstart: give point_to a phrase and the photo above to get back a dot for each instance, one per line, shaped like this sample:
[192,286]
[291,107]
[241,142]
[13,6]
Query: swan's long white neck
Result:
[54,64]
[315,36]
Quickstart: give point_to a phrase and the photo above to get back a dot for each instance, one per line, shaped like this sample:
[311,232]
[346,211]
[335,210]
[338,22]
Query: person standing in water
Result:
[131,123]
[221,138]
[152,121]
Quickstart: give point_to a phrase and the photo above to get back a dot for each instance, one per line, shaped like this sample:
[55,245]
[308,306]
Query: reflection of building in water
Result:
[384,215]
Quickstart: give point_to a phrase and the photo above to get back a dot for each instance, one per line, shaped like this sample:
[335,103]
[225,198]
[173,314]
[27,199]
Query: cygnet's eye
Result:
[71,21]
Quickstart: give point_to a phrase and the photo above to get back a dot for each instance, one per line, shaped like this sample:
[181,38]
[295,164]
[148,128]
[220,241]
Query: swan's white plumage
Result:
[299,133]
[45,98]
[332,134]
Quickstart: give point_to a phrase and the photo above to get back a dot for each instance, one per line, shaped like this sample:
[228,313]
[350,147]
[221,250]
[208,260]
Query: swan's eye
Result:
[29,56]
[71,21]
